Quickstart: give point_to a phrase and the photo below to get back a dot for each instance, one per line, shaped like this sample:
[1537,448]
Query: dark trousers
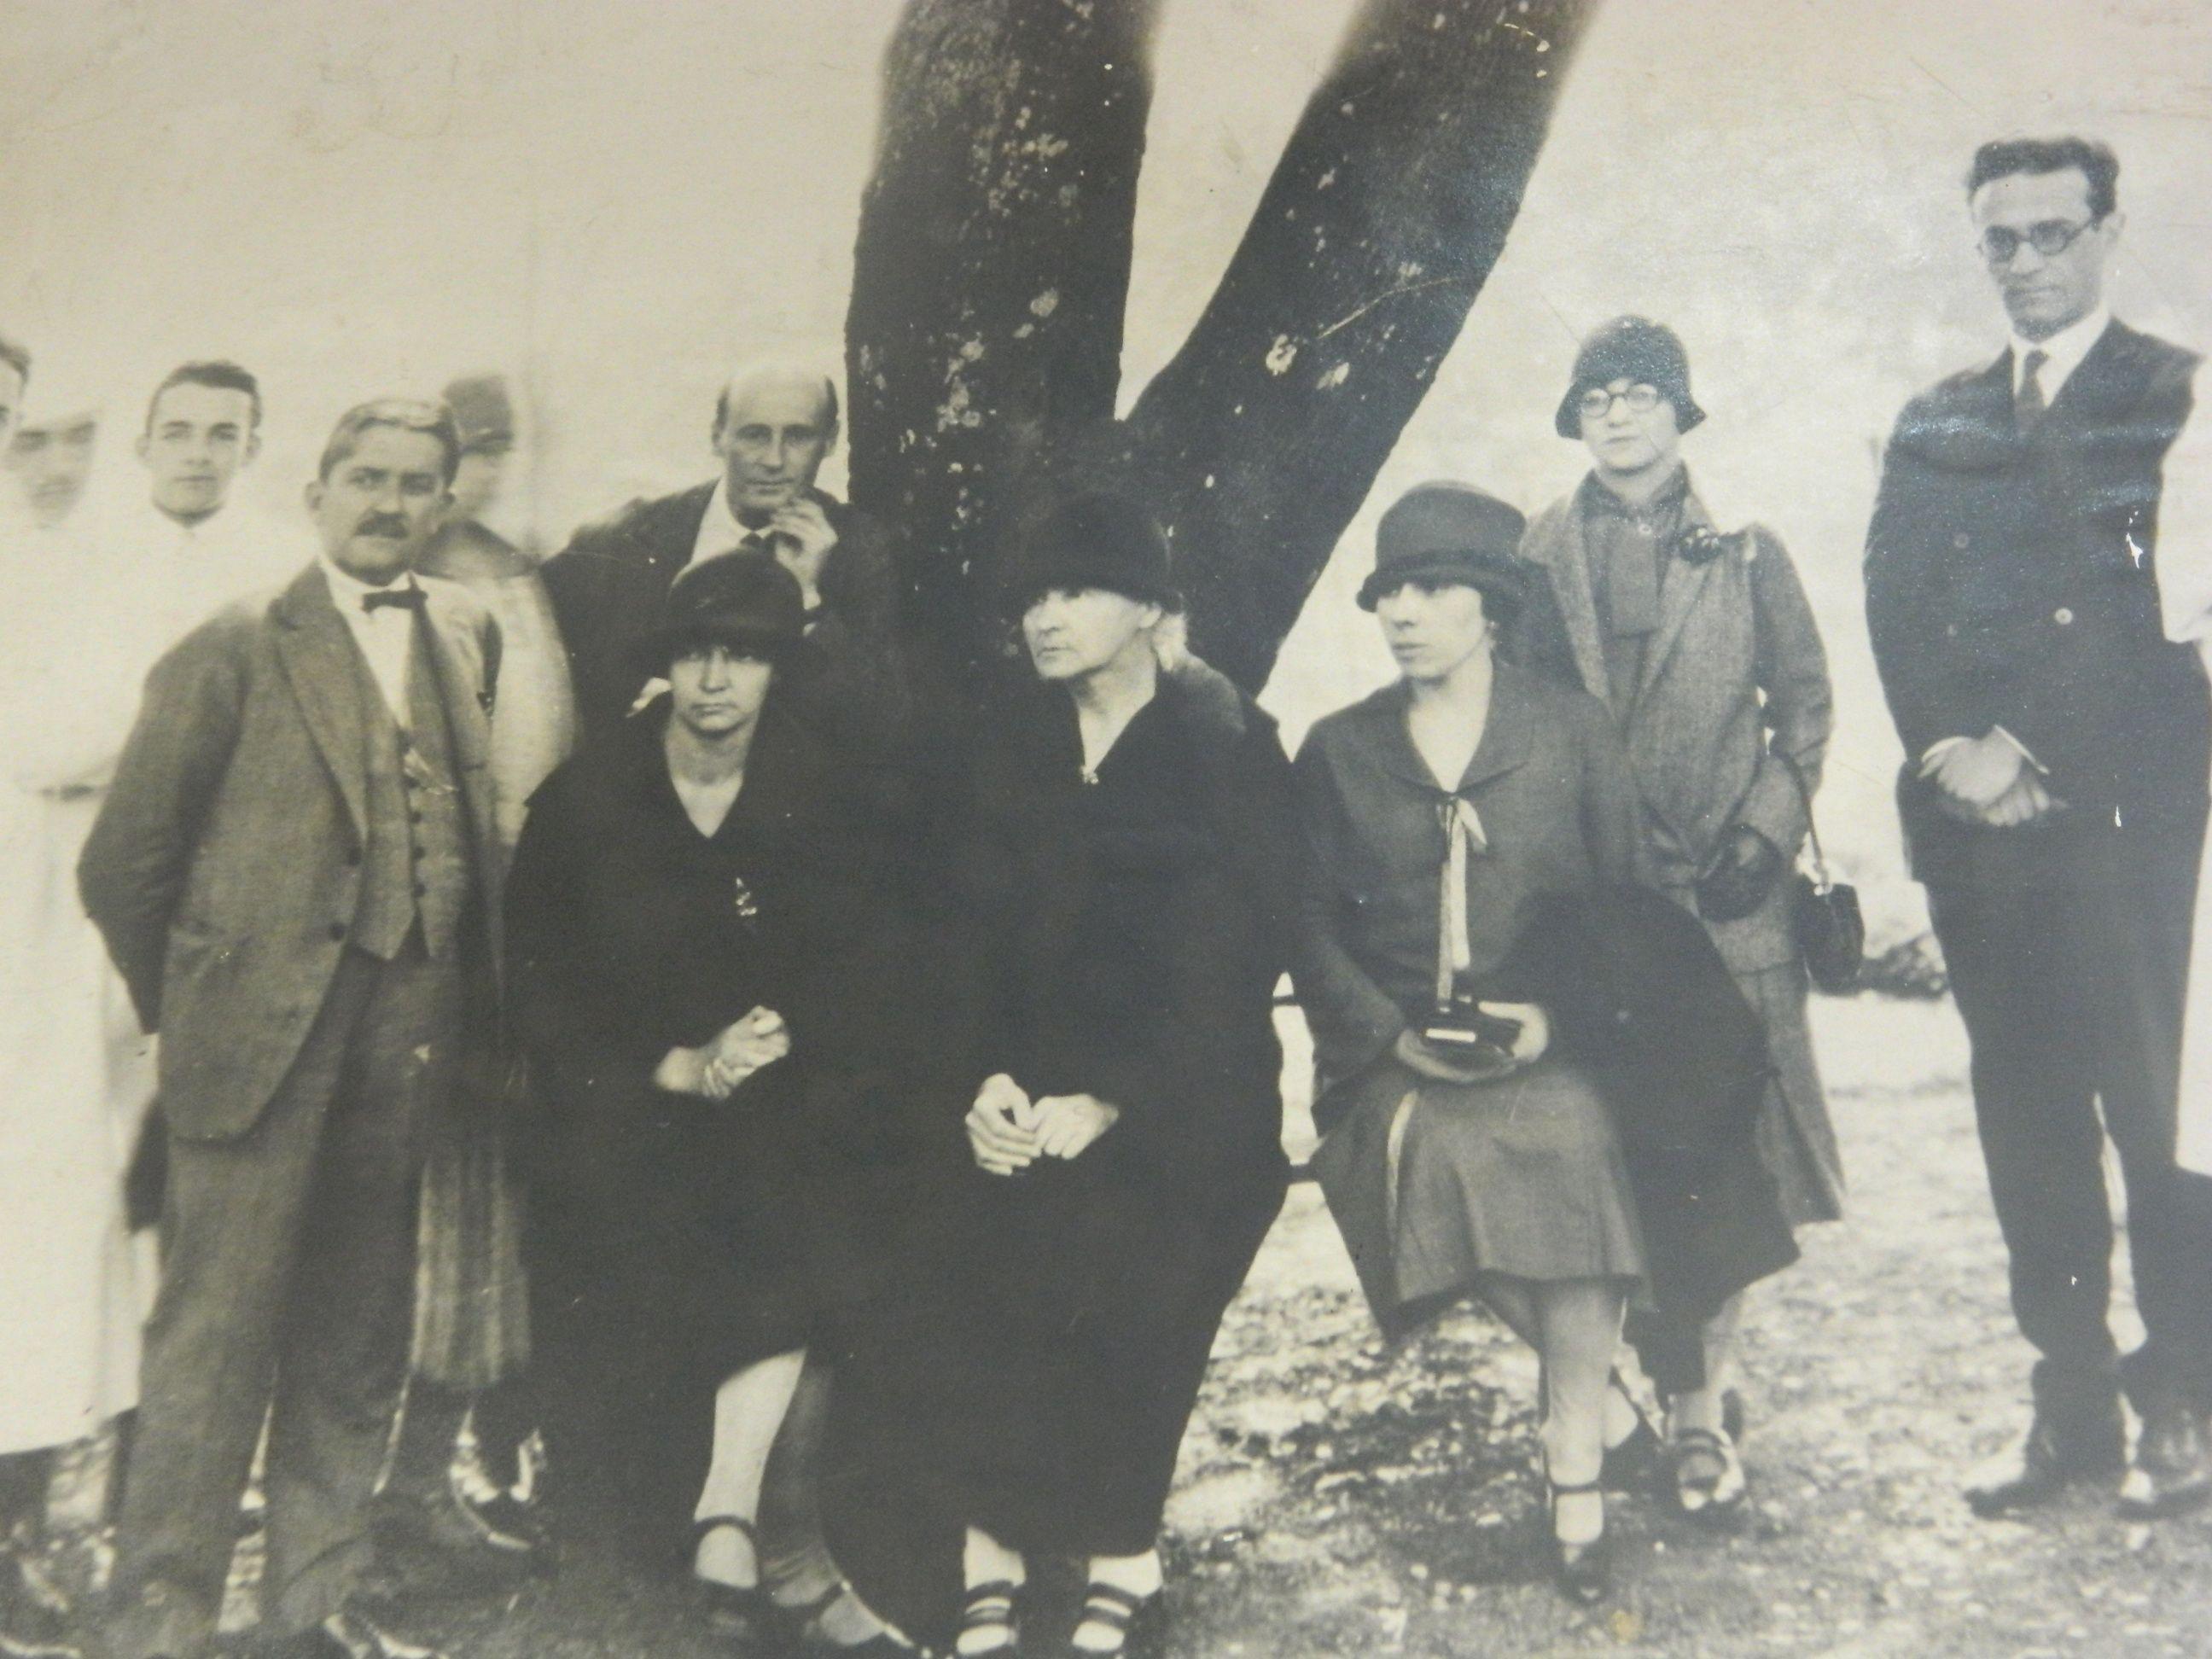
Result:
[287,1286]
[2072,996]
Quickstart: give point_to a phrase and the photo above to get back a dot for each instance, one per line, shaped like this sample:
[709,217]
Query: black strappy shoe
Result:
[749,1603]
[991,1606]
[1585,1576]
[1715,1499]
[1140,1622]
[1634,1459]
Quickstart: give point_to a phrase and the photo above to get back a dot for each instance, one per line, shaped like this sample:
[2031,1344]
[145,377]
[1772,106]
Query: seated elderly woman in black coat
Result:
[696,935]
[1464,1153]
[1124,871]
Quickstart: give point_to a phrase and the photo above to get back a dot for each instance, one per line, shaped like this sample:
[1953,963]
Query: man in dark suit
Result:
[297,874]
[2053,796]
[774,426]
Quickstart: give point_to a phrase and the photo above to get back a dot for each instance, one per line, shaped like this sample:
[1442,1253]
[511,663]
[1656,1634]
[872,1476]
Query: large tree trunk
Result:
[990,274]
[992,264]
[1384,216]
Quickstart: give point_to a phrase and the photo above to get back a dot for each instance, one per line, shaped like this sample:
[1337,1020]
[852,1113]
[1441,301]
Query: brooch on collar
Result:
[1700,544]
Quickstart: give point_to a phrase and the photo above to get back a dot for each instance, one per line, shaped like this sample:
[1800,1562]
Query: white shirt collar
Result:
[719,532]
[348,590]
[2063,352]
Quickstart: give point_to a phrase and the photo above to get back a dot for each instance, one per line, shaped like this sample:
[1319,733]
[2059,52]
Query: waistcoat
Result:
[416,865]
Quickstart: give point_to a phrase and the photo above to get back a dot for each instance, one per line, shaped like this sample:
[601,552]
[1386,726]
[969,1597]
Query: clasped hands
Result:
[715,1069]
[1008,1132]
[1988,781]
[1448,1065]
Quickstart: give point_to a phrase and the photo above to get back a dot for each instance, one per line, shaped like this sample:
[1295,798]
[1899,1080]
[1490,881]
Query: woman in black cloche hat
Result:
[1464,1153]
[1703,647]
[699,938]
[1123,884]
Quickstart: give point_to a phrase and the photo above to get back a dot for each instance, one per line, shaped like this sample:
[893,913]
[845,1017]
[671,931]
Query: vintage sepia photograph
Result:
[1053,828]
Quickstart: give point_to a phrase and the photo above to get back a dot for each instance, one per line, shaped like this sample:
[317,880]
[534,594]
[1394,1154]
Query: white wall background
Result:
[617,200]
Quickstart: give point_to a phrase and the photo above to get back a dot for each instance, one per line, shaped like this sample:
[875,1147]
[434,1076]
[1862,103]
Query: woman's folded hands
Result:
[1008,1132]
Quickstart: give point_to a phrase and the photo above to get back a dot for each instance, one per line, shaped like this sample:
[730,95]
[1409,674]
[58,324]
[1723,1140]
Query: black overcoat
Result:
[2012,580]
[1644,1000]
[1122,938]
[675,1239]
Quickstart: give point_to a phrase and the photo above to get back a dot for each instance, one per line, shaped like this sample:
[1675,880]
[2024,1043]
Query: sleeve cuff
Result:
[1935,750]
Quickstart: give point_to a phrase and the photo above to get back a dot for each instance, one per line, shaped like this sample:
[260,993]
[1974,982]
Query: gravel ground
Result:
[1338,1497]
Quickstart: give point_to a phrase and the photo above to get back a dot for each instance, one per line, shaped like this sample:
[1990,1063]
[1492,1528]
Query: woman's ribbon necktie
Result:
[1463,835]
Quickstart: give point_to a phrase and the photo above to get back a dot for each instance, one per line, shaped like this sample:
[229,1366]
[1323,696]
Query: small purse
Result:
[1831,931]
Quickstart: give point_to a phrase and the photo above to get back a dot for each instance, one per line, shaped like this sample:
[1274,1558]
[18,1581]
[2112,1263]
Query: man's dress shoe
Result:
[2058,1453]
[2173,1470]
[443,1545]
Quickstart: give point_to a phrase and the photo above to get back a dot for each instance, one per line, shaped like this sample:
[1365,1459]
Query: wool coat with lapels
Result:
[1734,685]
[1730,695]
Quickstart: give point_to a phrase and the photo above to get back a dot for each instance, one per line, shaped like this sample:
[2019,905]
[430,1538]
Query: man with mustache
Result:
[296,874]
[2053,796]
[774,426]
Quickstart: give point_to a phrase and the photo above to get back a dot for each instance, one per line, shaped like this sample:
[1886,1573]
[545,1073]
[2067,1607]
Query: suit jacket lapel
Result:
[2096,398]
[1678,597]
[456,658]
[324,667]
[1560,547]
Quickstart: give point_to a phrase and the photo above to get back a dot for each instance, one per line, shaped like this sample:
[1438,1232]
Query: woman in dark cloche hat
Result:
[1702,647]
[1464,1153]
[1120,889]
[699,939]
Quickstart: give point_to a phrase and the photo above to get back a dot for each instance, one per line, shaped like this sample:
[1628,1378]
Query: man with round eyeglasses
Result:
[2053,797]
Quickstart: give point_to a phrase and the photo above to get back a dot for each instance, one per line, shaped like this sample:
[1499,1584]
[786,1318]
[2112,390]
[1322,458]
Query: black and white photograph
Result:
[1053,828]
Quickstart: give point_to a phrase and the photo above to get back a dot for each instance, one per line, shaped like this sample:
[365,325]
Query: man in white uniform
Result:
[182,547]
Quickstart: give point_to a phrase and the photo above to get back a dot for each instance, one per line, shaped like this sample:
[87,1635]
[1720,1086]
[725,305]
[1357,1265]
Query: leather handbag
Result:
[1831,931]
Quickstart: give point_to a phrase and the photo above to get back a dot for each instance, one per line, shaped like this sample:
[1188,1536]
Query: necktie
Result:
[2028,405]
[409,597]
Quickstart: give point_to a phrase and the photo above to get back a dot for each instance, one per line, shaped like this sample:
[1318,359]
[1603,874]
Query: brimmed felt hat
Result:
[1095,539]
[1630,348]
[1451,533]
[746,601]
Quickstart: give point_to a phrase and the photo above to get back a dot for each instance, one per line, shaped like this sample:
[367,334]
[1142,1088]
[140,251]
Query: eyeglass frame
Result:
[2031,238]
[1642,398]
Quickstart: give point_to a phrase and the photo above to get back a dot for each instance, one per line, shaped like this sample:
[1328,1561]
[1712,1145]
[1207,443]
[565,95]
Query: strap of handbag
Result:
[1822,884]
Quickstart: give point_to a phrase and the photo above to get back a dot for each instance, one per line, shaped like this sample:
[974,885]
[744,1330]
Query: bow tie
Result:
[401,599]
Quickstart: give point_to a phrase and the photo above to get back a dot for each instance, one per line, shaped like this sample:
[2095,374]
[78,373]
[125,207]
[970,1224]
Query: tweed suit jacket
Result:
[225,867]
[1735,677]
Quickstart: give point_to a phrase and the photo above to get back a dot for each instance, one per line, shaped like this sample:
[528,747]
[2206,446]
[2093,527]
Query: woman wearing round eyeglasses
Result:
[1705,649]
